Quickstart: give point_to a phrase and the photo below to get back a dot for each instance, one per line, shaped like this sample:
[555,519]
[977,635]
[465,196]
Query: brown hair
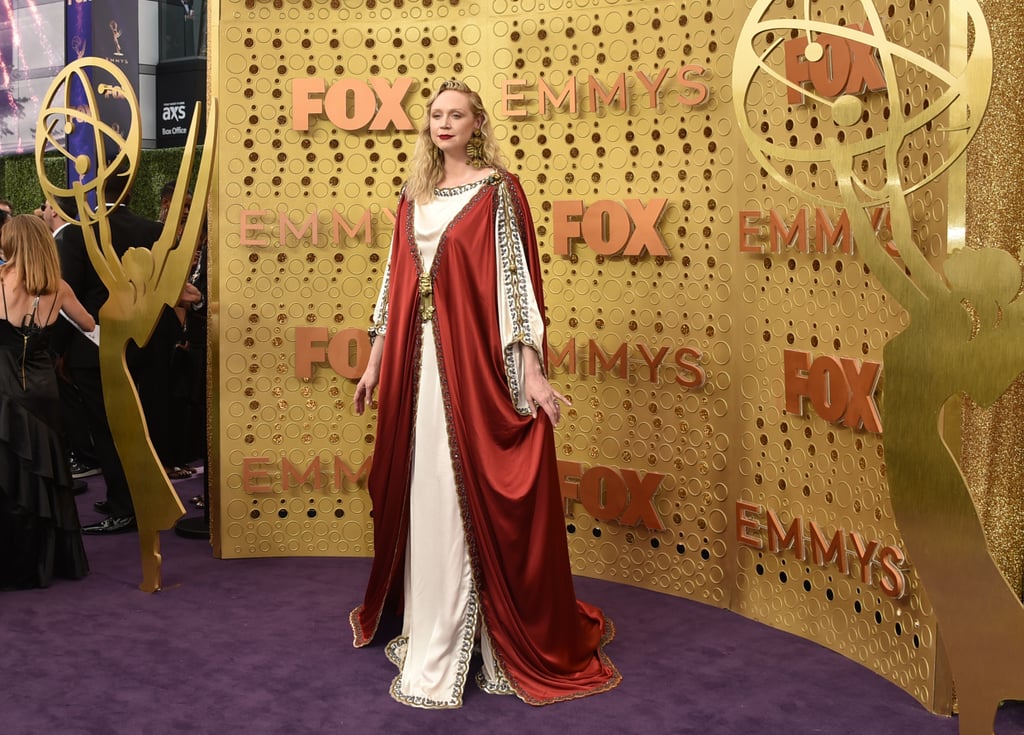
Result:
[29,249]
[428,161]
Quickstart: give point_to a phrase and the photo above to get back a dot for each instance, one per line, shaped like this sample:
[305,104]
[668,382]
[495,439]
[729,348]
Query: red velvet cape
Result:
[548,642]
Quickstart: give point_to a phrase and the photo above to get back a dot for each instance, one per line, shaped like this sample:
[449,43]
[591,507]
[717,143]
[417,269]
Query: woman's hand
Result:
[371,376]
[539,393]
[364,392]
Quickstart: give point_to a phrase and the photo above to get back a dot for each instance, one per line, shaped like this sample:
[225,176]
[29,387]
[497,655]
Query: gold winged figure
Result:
[141,283]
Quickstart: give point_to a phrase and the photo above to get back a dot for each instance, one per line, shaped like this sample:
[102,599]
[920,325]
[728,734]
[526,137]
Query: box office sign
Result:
[179,85]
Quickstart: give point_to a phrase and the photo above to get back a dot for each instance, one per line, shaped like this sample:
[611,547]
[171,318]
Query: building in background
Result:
[160,44]
[181,70]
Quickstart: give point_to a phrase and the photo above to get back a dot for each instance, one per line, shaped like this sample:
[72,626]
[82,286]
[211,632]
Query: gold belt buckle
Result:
[426,297]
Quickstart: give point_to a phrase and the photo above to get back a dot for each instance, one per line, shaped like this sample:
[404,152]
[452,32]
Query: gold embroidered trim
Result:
[500,687]
[379,326]
[454,191]
[396,651]
[516,285]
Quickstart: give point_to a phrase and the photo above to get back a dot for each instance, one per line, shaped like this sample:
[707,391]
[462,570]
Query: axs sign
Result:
[174,112]
[351,104]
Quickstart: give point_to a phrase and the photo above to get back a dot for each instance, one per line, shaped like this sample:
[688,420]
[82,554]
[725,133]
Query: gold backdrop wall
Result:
[679,283]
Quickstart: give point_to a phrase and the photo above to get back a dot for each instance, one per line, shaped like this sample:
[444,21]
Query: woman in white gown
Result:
[469,538]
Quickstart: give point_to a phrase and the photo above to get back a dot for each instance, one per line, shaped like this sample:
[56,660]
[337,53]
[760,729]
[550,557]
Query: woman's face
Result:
[452,122]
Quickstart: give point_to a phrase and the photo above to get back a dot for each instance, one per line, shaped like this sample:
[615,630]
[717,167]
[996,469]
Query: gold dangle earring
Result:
[475,149]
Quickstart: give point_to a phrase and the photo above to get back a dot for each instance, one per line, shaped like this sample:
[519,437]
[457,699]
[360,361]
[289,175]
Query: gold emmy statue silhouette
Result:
[115,32]
[966,330]
[140,284]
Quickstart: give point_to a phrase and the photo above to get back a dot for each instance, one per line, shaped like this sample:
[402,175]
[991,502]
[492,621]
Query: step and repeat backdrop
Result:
[720,336]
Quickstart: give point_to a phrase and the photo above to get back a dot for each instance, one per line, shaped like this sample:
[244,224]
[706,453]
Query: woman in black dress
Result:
[40,535]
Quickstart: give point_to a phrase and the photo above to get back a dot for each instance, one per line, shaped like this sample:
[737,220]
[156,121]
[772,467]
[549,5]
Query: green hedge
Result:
[19,183]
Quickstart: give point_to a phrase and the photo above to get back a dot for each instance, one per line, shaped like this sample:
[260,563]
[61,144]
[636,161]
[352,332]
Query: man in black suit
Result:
[127,230]
[81,453]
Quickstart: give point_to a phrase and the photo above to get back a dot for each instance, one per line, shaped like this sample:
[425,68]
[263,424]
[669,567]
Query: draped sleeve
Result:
[520,312]
[379,325]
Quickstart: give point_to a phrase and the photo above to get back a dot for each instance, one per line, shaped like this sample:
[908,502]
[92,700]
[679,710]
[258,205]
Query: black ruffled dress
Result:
[40,534]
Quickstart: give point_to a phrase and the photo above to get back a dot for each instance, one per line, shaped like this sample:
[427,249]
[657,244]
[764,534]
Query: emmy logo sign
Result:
[141,281]
[966,328]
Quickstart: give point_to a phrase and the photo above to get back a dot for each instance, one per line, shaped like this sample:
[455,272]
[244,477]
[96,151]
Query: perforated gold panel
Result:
[678,284]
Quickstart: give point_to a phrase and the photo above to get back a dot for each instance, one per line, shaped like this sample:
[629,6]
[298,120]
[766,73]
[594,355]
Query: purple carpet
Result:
[263,646]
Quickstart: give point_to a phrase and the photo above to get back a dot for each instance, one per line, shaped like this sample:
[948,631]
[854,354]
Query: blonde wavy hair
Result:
[29,249]
[428,161]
